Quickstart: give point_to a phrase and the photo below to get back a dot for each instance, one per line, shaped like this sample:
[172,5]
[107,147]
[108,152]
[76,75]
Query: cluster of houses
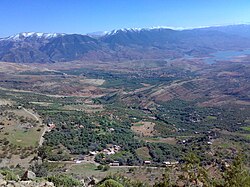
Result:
[173,163]
[148,162]
[210,136]
[112,149]
[78,126]
[115,163]
[109,151]
[167,163]
[51,126]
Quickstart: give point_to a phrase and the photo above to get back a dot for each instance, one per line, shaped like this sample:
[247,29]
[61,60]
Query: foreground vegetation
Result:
[189,173]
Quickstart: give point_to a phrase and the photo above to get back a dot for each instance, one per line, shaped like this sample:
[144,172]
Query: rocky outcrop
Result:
[4,183]
[29,175]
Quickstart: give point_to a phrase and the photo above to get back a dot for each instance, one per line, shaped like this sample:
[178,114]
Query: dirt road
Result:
[32,114]
[45,129]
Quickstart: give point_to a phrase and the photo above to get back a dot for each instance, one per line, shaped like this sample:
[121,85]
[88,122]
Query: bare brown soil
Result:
[144,128]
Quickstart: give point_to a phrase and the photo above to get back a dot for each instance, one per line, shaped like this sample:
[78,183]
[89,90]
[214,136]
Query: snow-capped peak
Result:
[113,32]
[124,30]
[97,34]
[25,35]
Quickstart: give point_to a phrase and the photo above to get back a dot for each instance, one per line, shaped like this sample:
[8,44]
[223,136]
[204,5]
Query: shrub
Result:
[237,175]
[110,183]
[40,170]
[106,168]
[64,180]
[9,175]
[100,167]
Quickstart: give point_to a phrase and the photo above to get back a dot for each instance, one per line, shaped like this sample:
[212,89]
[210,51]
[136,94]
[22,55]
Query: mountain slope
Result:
[123,44]
[69,47]
[242,30]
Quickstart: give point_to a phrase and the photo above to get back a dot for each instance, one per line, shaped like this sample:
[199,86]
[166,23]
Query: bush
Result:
[64,180]
[120,181]
[100,167]
[237,174]
[40,170]
[106,168]
[110,183]
[9,175]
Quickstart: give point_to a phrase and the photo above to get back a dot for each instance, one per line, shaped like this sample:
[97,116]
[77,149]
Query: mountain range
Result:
[123,44]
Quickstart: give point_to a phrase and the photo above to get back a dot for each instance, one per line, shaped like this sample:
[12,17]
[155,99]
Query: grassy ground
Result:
[247,128]
[141,173]
[23,138]
[143,153]
[86,170]
[170,140]
[211,117]
[22,133]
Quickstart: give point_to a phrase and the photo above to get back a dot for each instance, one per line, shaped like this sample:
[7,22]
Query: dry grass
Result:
[15,160]
[41,103]
[95,82]
[144,128]
[86,170]
[143,153]
[5,102]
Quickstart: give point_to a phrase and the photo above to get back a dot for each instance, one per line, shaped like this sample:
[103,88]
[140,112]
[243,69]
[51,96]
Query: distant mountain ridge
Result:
[122,44]
[25,35]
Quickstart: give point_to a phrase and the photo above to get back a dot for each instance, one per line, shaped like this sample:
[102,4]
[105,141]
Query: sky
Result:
[87,16]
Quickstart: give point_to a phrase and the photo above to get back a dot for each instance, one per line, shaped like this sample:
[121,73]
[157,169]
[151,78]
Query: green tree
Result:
[236,175]
[40,170]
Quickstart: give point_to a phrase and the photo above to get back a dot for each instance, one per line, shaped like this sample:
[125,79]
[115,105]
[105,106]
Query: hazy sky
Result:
[85,16]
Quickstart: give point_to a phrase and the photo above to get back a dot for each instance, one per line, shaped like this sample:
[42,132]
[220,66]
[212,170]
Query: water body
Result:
[225,55]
